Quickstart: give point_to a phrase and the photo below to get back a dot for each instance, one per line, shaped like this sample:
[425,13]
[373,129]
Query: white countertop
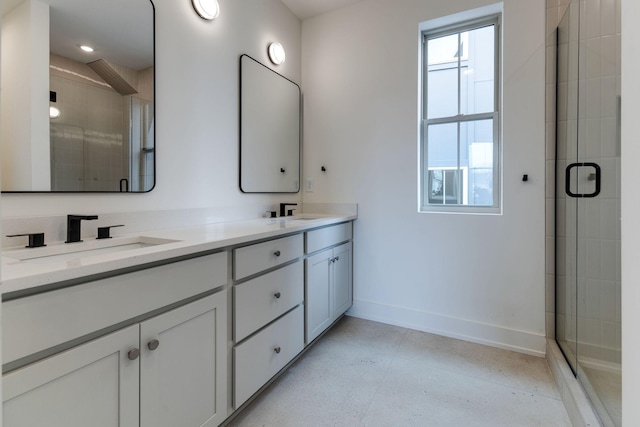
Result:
[21,275]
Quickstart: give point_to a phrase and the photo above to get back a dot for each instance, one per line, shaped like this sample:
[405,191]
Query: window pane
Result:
[443,146]
[445,186]
[477,72]
[476,156]
[443,178]
[442,76]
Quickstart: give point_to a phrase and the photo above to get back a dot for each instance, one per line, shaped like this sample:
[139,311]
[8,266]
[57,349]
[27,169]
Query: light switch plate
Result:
[309,185]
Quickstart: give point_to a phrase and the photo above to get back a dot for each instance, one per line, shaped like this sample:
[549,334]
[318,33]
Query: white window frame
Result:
[490,15]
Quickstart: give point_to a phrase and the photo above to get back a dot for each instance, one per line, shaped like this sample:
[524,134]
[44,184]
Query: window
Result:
[460,146]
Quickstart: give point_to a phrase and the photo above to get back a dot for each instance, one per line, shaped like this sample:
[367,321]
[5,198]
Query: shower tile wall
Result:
[599,320]
[599,289]
[92,128]
[98,115]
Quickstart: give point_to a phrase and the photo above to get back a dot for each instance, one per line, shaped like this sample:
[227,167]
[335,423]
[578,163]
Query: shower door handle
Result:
[567,182]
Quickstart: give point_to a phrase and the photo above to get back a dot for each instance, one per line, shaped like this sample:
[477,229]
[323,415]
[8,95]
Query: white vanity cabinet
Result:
[183,365]
[94,384]
[268,312]
[328,277]
[165,370]
[149,345]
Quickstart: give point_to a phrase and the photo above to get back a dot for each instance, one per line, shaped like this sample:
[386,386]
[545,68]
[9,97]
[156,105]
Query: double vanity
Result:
[171,328]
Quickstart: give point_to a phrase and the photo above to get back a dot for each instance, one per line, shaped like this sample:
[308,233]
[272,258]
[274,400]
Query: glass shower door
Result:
[566,206]
[588,325]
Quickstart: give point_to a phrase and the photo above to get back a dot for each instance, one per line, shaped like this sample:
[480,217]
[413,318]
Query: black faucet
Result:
[283,207]
[73,226]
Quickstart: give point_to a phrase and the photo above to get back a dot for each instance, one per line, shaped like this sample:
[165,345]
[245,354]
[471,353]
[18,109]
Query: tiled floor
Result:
[364,373]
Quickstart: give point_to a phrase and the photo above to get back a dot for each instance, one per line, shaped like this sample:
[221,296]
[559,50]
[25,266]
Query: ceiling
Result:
[121,31]
[112,31]
[304,9]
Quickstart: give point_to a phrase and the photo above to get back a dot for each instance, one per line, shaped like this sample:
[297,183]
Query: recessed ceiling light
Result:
[86,48]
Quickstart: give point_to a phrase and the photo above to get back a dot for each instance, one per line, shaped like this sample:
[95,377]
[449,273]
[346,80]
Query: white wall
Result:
[196,110]
[25,126]
[630,213]
[473,276]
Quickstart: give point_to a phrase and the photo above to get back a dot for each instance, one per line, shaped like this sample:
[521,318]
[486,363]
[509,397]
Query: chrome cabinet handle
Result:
[277,253]
[277,350]
[277,295]
[133,354]
[153,344]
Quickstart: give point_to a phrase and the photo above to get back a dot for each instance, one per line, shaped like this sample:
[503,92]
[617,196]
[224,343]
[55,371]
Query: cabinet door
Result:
[94,384]
[317,295]
[342,282]
[183,366]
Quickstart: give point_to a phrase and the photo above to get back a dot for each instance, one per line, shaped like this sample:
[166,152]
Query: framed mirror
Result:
[78,92]
[269,130]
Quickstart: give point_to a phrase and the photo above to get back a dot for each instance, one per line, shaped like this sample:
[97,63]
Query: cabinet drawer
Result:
[36,323]
[256,360]
[328,236]
[253,259]
[259,301]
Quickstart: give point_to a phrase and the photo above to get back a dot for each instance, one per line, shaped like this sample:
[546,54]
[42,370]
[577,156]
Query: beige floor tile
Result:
[365,373]
[370,334]
[505,367]
[419,394]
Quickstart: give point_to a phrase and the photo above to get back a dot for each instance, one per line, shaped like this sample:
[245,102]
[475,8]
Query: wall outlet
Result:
[309,185]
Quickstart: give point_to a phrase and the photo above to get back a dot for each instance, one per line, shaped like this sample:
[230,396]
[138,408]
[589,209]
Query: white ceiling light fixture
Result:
[276,53]
[54,112]
[207,9]
[86,48]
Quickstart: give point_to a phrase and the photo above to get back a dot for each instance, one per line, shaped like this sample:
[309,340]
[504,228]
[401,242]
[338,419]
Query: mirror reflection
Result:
[269,130]
[77,100]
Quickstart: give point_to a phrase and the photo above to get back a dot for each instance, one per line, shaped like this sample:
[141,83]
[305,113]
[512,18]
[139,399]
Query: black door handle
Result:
[567,182]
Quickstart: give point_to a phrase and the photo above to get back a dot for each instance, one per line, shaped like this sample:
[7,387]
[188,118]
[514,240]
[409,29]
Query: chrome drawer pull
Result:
[277,253]
[133,354]
[277,350]
[153,344]
[277,295]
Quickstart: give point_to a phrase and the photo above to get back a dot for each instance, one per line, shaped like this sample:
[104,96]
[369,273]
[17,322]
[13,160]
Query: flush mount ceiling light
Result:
[276,53]
[86,48]
[54,113]
[207,9]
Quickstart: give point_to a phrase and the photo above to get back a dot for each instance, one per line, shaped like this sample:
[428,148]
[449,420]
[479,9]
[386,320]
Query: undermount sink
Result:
[299,218]
[68,251]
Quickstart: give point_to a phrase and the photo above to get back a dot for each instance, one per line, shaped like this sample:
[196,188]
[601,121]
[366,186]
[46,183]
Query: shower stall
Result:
[587,203]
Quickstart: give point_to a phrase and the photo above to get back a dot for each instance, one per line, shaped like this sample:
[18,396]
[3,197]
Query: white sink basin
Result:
[299,218]
[88,248]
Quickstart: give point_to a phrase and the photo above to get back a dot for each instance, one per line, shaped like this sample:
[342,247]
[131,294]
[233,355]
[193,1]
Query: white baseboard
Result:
[467,330]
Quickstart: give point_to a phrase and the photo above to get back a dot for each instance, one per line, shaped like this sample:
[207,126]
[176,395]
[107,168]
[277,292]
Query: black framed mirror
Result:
[269,130]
